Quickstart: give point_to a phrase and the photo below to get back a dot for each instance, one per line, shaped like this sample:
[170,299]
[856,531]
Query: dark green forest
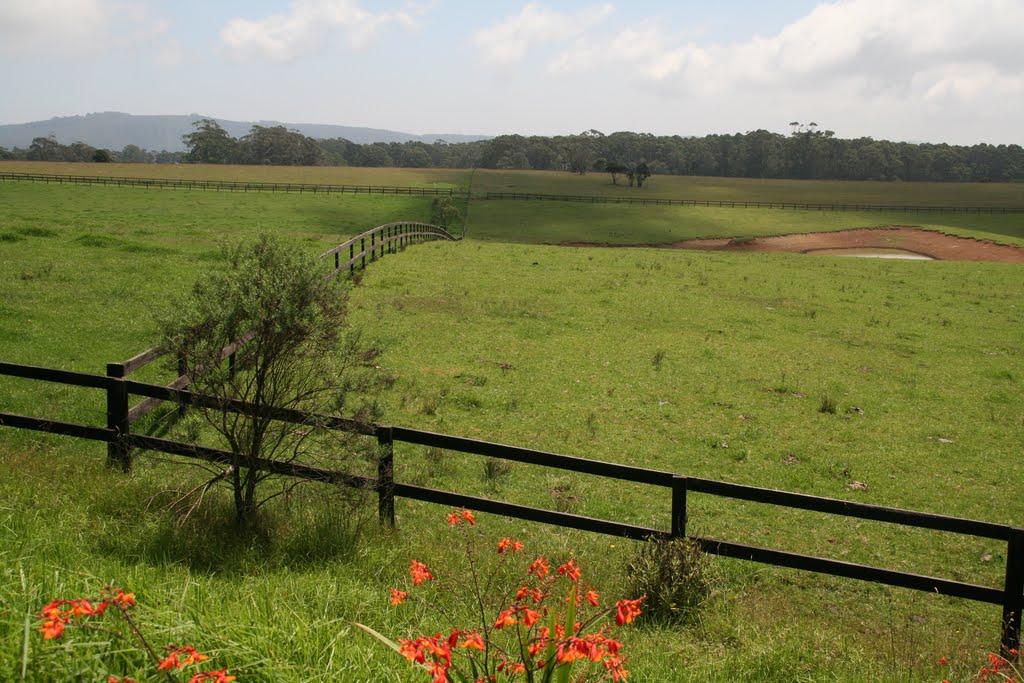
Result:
[808,152]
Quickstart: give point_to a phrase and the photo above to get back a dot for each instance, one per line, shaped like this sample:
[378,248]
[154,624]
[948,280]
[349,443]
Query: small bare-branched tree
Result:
[298,355]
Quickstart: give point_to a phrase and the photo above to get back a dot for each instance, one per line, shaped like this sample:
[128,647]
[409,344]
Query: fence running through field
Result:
[319,188]
[386,239]
[121,441]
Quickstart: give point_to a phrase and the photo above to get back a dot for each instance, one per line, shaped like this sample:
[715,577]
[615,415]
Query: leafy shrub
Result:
[674,575]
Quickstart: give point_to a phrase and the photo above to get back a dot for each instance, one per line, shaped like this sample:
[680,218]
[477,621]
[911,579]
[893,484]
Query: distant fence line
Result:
[741,204]
[221,185]
[120,441]
[321,188]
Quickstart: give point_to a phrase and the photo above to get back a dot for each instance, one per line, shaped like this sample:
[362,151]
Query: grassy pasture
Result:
[749,346]
[756,190]
[550,222]
[328,175]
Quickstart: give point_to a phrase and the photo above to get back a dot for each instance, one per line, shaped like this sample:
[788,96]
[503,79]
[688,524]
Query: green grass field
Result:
[755,190]
[713,365]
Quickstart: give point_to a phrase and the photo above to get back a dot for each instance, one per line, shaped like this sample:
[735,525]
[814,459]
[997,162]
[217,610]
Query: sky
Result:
[918,70]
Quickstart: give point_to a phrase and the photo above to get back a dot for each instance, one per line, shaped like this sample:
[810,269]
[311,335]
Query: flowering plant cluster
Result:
[998,670]
[547,624]
[59,615]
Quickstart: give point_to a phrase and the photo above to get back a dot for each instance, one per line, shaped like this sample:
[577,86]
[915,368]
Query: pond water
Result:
[872,252]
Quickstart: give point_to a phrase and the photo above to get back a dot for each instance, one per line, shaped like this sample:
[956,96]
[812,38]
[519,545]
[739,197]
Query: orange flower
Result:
[506,618]
[614,666]
[180,657]
[534,594]
[219,676]
[419,572]
[121,598]
[627,610]
[943,661]
[507,544]
[398,597]
[539,568]
[468,516]
[530,617]
[52,629]
[473,641]
[115,679]
[511,668]
[592,597]
[571,570]
[453,518]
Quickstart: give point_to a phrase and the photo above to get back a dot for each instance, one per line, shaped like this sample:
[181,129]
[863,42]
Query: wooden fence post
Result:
[362,248]
[231,362]
[373,246]
[351,259]
[678,506]
[182,370]
[119,454]
[385,476]
[1013,594]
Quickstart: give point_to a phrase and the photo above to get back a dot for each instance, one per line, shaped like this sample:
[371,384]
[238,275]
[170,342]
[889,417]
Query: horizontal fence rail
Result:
[221,185]
[746,204]
[118,434]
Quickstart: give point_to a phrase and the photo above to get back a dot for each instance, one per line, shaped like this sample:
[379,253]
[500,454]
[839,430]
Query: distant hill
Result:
[114,130]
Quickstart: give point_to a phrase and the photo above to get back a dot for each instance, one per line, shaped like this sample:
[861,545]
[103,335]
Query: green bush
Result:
[675,576]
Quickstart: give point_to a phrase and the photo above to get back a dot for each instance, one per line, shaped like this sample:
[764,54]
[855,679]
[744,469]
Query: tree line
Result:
[808,152]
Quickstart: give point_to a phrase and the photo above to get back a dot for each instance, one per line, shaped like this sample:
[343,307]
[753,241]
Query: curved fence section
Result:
[358,251]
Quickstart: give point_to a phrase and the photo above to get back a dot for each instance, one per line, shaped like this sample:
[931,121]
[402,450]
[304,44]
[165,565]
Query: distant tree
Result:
[579,153]
[133,154]
[277,146]
[101,156]
[374,155]
[616,169]
[210,144]
[444,213]
[641,172]
[46,149]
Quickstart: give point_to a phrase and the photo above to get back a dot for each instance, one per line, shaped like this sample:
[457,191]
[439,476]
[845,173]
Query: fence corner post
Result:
[679,485]
[119,453]
[1013,595]
[385,476]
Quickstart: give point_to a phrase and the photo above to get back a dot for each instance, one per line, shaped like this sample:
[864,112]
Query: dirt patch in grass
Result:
[934,244]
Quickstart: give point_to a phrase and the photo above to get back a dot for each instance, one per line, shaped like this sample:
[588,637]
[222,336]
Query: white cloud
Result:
[508,41]
[75,28]
[60,27]
[301,30]
[911,45]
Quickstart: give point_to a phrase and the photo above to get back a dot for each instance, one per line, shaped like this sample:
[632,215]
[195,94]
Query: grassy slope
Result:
[735,329]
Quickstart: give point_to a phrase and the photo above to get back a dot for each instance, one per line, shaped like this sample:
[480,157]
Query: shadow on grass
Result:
[305,531]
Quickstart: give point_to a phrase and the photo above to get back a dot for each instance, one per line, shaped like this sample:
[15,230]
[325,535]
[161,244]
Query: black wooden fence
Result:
[118,435]
[220,185]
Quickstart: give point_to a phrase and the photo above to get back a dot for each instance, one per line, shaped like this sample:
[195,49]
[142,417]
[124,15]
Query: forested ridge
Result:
[808,152]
